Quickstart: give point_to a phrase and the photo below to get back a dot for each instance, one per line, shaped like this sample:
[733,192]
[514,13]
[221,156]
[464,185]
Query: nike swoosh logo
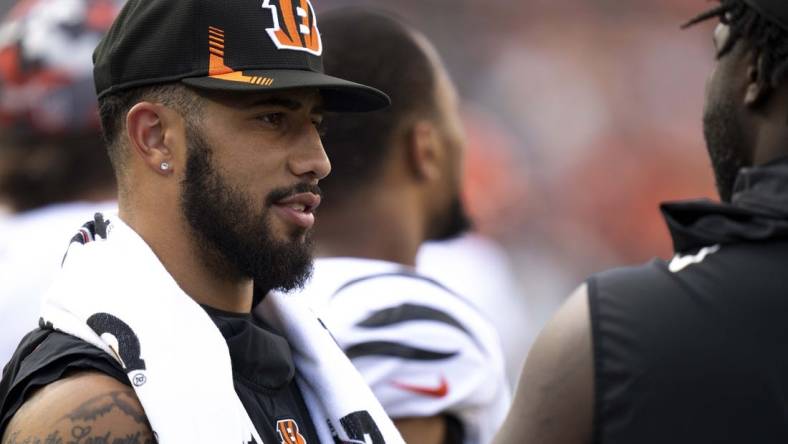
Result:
[436,392]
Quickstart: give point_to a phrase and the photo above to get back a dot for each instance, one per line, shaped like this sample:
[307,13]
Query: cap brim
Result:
[338,95]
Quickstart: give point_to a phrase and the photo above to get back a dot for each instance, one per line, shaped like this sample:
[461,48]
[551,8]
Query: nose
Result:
[310,161]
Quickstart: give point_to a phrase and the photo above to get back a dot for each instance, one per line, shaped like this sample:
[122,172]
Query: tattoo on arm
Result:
[81,427]
[81,435]
[100,405]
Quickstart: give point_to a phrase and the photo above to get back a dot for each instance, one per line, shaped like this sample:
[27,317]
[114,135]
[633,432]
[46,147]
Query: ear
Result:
[424,151]
[758,87]
[146,125]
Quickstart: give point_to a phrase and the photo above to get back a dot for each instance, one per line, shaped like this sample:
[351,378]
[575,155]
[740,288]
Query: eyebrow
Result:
[291,104]
[284,102]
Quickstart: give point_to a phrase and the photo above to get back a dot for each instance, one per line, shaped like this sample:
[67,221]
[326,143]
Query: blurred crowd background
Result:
[582,116]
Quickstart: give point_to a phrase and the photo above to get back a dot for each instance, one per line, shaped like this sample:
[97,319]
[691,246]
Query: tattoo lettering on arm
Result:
[109,415]
[80,435]
[102,404]
[52,438]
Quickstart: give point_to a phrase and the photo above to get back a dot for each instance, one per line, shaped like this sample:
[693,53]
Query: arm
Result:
[554,403]
[430,430]
[84,407]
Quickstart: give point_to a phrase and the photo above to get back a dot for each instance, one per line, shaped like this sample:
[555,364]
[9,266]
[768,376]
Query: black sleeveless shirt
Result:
[263,372]
[696,350]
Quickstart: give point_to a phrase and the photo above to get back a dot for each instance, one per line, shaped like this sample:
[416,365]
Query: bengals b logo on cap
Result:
[295,26]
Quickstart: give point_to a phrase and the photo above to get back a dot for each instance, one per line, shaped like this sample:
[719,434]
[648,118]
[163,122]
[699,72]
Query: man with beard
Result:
[429,356]
[147,335]
[692,350]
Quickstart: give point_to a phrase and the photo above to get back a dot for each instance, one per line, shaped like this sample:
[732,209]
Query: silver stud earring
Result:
[164,166]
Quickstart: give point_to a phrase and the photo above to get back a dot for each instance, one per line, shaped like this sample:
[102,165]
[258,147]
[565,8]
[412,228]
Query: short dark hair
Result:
[769,40]
[378,50]
[114,107]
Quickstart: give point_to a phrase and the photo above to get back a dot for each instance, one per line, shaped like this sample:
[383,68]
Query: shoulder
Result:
[631,275]
[44,353]
[627,291]
[84,407]
[402,288]
[43,357]
[422,348]
[407,302]
[391,283]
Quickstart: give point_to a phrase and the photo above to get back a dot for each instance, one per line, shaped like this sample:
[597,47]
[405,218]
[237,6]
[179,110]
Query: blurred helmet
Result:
[46,68]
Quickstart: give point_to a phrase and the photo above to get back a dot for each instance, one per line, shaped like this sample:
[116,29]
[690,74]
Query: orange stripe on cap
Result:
[310,40]
[216,64]
[291,35]
[217,68]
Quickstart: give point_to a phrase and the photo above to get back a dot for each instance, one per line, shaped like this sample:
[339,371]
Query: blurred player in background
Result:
[432,360]
[478,268]
[476,264]
[54,173]
[692,350]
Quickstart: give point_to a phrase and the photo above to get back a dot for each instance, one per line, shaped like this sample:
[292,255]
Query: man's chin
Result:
[285,233]
[295,238]
[290,269]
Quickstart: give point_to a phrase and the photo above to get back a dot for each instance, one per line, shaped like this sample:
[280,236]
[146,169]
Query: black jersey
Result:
[695,350]
[263,372]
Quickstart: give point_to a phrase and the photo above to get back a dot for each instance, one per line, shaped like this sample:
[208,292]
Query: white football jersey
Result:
[479,269]
[422,349]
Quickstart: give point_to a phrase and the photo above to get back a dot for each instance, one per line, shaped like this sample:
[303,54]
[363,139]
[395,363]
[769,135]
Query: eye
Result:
[274,120]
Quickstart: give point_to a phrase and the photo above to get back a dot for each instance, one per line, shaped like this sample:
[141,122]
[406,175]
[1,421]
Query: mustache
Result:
[282,193]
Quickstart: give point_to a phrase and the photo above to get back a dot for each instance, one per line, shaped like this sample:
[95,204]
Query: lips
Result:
[298,209]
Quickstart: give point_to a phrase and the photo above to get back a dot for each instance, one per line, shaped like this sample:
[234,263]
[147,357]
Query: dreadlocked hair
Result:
[769,41]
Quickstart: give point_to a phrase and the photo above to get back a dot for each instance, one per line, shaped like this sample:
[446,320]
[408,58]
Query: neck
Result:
[374,225]
[98,195]
[771,145]
[169,236]
[770,137]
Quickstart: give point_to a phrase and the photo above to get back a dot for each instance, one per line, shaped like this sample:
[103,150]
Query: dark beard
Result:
[726,146]
[454,223]
[234,239]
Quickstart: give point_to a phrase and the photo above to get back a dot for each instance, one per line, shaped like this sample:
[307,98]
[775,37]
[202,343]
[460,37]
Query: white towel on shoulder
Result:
[115,294]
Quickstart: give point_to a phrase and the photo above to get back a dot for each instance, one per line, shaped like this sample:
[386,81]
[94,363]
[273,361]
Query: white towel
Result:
[115,294]
[331,385]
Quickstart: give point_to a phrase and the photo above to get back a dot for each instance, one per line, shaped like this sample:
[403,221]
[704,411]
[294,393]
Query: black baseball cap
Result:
[226,45]
[774,10]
